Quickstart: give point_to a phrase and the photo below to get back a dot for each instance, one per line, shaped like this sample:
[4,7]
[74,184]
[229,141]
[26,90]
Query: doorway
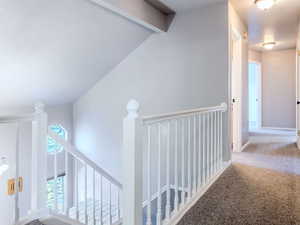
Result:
[254,95]
[236,90]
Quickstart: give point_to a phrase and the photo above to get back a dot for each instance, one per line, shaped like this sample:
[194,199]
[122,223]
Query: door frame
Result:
[259,93]
[235,35]
[298,96]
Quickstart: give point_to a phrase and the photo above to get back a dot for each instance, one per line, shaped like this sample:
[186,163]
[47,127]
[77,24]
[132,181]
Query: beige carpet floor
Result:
[262,187]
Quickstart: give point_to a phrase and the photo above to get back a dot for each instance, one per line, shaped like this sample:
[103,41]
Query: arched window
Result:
[53,146]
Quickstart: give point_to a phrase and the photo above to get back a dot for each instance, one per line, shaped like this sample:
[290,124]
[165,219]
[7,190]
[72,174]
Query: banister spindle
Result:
[176,167]
[55,180]
[85,194]
[182,165]
[77,187]
[158,216]
[189,160]
[199,153]
[194,158]
[94,197]
[149,222]
[66,184]
[168,205]
[215,141]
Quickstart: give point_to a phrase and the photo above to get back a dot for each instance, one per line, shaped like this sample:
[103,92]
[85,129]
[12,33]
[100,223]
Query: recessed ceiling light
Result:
[269,45]
[264,4]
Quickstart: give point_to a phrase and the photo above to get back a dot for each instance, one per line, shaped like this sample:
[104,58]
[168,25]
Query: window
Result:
[60,192]
[53,146]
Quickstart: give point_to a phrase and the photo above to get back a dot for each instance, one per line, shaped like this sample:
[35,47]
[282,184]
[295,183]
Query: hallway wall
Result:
[279,89]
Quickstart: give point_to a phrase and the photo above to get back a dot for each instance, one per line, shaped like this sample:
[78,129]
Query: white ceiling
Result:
[277,24]
[56,50]
[183,5]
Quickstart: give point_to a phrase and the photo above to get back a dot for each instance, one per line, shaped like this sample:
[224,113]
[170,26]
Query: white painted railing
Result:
[176,155]
[91,195]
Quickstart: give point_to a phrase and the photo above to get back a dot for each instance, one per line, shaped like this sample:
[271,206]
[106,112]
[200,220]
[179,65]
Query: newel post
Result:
[39,160]
[132,157]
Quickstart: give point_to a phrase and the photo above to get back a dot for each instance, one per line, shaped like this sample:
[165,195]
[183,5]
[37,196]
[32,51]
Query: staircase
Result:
[169,161]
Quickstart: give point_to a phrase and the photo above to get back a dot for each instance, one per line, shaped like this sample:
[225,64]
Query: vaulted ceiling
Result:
[56,50]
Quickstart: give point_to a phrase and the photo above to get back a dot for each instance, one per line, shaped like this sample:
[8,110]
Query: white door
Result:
[236,81]
[298,96]
[254,96]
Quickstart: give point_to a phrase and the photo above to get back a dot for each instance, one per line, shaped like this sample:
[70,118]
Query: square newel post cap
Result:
[39,107]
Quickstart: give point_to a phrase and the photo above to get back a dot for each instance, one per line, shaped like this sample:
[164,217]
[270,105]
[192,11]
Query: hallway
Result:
[262,187]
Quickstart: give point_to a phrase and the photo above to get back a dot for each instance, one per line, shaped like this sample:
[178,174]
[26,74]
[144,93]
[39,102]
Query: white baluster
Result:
[158,216]
[211,145]
[94,197]
[219,144]
[85,195]
[176,167]
[119,206]
[168,205]
[199,153]
[189,160]
[55,180]
[182,165]
[203,150]
[222,139]
[207,147]
[215,142]
[194,158]
[132,155]
[77,187]
[110,203]
[66,184]
[101,200]
[149,222]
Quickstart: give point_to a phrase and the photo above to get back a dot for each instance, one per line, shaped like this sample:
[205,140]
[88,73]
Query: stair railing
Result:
[91,195]
[169,160]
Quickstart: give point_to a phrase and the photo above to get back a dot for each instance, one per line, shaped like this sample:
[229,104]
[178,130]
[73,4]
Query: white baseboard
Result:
[279,128]
[272,139]
[176,219]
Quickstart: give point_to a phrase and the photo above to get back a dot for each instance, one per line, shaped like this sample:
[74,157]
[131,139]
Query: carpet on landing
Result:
[262,187]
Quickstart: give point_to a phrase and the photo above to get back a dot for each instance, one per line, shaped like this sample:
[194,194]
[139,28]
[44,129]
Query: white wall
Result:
[186,67]
[237,24]
[279,89]
[57,115]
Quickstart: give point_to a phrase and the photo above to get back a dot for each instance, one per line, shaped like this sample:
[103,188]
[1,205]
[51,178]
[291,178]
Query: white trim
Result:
[245,145]
[235,35]
[279,128]
[272,139]
[196,198]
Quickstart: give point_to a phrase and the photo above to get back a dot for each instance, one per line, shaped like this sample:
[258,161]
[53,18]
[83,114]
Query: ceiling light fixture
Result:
[269,45]
[264,4]
[3,165]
